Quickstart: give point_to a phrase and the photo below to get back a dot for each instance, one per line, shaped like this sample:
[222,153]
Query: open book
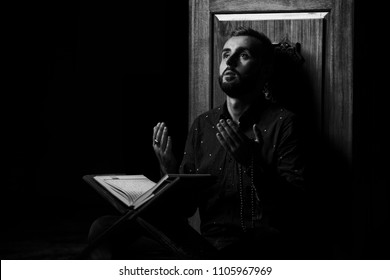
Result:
[135,190]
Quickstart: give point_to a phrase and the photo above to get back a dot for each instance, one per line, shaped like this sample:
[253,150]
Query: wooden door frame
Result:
[337,97]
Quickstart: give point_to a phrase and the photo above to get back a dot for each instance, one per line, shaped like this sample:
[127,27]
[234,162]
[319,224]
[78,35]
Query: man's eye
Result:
[245,55]
[225,55]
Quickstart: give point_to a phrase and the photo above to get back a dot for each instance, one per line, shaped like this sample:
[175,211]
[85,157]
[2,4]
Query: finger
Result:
[223,142]
[238,135]
[257,133]
[164,139]
[225,136]
[155,129]
[227,132]
[160,132]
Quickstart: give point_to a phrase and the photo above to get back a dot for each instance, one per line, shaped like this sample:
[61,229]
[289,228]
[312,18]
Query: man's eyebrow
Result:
[239,49]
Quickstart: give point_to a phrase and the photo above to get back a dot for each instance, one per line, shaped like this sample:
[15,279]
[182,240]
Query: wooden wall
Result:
[349,187]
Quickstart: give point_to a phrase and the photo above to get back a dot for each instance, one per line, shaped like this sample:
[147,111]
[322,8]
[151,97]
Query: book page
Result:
[135,190]
[128,188]
[133,187]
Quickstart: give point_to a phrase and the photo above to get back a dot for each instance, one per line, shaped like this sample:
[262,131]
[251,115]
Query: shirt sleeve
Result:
[287,193]
[290,164]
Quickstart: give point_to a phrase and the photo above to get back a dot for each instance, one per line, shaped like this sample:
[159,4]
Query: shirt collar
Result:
[250,116]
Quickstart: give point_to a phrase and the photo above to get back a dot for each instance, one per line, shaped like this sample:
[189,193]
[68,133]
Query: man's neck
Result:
[237,107]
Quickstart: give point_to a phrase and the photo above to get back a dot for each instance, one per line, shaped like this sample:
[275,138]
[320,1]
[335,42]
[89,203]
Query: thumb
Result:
[257,133]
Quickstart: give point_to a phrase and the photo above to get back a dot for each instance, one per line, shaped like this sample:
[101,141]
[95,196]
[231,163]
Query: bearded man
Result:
[251,145]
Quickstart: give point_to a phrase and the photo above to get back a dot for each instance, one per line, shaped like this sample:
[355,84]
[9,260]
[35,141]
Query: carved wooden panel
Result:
[303,28]
[324,31]
[326,40]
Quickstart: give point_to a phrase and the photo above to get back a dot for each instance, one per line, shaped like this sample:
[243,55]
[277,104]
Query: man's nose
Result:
[232,60]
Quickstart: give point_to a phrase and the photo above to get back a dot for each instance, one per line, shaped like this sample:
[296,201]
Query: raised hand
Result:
[237,143]
[162,146]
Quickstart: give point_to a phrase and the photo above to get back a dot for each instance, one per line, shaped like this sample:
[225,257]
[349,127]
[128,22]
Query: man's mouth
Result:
[229,73]
[229,78]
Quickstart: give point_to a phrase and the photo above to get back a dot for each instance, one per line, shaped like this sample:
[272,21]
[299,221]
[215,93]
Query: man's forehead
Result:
[246,42]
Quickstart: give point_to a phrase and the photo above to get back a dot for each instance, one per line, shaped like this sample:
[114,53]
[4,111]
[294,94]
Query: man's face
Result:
[239,71]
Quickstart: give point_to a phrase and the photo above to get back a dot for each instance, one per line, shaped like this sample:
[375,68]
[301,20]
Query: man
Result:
[250,144]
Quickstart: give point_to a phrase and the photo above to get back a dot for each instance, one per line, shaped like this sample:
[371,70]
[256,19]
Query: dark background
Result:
[86,81]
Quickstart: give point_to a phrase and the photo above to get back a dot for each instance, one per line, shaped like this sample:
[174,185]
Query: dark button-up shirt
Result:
[232,206]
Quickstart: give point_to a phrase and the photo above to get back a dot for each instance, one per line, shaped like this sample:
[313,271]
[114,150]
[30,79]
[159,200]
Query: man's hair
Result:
[266,49]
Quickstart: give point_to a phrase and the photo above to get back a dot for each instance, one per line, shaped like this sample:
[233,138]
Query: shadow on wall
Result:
[327,203]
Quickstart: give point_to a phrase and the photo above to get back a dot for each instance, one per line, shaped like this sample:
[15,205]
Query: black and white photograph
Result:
[195,130]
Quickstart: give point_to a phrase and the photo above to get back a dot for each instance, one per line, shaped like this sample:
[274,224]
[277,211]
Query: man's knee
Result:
[100,225]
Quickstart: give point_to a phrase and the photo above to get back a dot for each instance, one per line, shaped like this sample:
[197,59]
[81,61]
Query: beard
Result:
[239,86]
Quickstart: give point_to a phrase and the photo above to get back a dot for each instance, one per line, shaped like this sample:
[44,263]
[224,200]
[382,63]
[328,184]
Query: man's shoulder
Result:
[277,111]
[276,108]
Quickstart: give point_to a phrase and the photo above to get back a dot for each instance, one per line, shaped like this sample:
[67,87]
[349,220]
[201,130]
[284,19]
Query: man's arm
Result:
[290,163]
[285,191]
[185,200]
